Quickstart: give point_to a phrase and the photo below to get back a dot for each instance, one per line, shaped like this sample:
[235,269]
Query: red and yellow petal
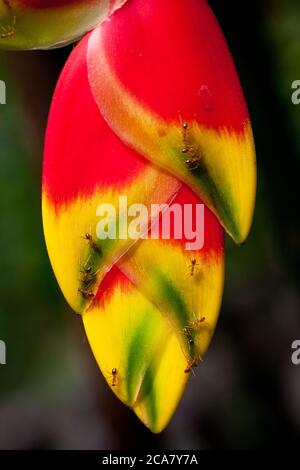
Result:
[86,165]
[164,80]
[186,285]
[129,334]
[32,24]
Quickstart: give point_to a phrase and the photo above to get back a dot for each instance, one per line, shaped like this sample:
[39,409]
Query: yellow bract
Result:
[65,229]
[185,294]
[127,333]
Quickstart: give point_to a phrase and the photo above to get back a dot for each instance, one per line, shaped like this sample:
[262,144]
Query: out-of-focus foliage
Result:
[283,28]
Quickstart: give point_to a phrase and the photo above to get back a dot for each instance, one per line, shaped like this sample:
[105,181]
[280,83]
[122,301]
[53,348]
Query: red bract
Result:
[164,79]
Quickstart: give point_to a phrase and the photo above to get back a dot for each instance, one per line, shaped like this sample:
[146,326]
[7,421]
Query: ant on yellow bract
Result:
[86,294]
[88,277]
[10,32]
[187,331]
[192,363]
[196,324]
[193,163]
[113,375]
[193,266]
[195,160]
[191,327]
[92,243]
[185,127]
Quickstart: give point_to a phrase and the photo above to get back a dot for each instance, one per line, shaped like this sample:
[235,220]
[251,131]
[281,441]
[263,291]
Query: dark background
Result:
[247,393]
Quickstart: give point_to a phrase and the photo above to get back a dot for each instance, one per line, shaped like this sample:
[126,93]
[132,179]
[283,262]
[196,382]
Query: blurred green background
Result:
[247,392]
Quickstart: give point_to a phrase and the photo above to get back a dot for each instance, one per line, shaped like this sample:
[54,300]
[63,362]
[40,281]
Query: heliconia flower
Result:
[149,306]
[32,24]
[164,80]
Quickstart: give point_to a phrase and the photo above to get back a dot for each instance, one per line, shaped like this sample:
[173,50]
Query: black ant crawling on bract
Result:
[88,277]
[9,33]
[194,163]
[184,137]
[87,271]
[192,327]
[187,332]
[113,375]
[192,364]
[196,324]
[92,243]
[86,294]
[193,266]
[187,148]
[195,160]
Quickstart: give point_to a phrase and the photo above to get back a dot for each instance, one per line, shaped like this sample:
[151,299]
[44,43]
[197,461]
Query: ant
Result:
[193,325]
[193,266]
[196,324]
[192,363]
[187,148]
[92,243]
[114,375]
[88,276]
[187,331]
[194,162]
[10,32]
[185,127]
[86,294]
